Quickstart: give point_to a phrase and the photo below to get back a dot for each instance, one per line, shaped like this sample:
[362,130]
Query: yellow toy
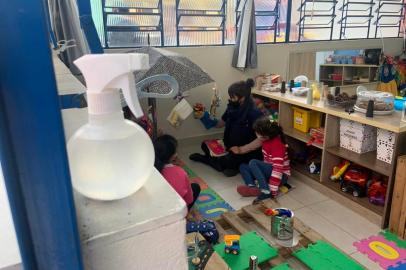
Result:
[232,244]
[339,170]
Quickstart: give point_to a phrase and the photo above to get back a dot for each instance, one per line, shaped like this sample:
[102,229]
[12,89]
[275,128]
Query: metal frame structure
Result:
[153,11]
[304,15]
[303,24]
[32,143]
[355,6]
[385,14]
[275,13]
[220,13]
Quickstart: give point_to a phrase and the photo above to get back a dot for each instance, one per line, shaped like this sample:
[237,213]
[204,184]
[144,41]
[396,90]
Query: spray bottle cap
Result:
[105,74]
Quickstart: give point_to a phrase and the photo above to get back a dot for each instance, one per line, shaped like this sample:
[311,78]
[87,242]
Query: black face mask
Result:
[234,104]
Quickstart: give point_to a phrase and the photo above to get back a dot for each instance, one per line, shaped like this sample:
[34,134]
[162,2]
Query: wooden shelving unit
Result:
[302,168]
[331,151]
[363,201]
[301,136]
[347,71]
[367,160]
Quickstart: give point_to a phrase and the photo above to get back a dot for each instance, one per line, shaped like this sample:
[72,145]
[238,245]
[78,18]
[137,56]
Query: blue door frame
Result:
[32,143]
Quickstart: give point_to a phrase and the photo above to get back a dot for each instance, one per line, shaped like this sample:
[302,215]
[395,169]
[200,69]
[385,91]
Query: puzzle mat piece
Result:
[321,255]
[250,243]
[209,204]
[399,266]
[395,255]
[394,238]
[214,211]
[208,197]
[200,181]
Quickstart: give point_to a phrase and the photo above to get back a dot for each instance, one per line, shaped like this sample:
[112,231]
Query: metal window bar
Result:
[127,17]
[275,14]
[382,14]
[307,6]
[353,21]
[217,24]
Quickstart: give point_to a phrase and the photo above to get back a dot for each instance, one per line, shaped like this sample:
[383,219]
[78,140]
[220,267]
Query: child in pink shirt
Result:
[165,152]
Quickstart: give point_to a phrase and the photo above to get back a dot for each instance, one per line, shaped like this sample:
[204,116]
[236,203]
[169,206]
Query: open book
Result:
[216,147]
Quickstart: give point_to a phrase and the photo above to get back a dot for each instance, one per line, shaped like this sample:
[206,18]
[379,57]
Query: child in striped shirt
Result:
[274,170]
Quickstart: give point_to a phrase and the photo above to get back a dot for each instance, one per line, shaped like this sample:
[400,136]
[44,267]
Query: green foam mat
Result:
[250,244]
[190,173]
[283,266]
[322,256]
[393,238]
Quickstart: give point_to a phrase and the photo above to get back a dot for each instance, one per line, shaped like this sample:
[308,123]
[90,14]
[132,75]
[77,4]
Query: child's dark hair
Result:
[241,88]
[165,147]
[265,126]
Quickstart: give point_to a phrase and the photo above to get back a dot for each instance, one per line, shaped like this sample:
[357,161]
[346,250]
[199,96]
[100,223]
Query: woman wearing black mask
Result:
[238,120]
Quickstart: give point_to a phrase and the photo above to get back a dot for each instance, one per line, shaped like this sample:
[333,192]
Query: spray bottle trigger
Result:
[127,85]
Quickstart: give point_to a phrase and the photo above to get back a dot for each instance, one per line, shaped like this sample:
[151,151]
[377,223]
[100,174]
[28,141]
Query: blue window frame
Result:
[134,23]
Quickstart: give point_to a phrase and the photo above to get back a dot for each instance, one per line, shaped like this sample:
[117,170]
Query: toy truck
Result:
[232,244]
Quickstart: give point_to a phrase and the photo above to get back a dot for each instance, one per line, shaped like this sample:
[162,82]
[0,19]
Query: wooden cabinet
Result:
[332,153]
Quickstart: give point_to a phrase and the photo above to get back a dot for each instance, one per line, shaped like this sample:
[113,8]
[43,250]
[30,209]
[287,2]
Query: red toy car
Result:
[355,181]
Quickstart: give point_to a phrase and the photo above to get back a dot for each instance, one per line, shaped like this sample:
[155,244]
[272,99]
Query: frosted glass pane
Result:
[200,4]
[132,20]
[132,3]
[200,38]
[199,21]
[133,39]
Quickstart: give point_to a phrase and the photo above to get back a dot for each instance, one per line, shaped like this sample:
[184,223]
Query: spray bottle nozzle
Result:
[111,72]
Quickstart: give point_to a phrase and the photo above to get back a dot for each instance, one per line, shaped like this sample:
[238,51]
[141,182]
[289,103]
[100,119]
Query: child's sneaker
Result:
[261,197]
[247,191]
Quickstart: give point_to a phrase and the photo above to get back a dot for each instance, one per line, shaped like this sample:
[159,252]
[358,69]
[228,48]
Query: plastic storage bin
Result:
[304,119]
[359,138]
[385,145]
[383,101]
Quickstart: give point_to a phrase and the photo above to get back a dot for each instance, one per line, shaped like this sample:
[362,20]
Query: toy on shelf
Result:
[200,112]
[377,191]
[314,167]
[339,170]
[232,244]
[355,181]
[316,136]
[267,82]
[267,107]
[278,212]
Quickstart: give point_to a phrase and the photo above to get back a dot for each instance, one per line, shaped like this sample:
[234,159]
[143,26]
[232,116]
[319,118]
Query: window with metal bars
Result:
[134,23]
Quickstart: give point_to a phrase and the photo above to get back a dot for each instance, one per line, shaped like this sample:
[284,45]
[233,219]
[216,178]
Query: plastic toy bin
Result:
[304,119]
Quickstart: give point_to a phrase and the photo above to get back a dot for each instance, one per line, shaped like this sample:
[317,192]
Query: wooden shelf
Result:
[302,168]
[349,65]
[367,160]
[301,136]
[363,201]
[330,80]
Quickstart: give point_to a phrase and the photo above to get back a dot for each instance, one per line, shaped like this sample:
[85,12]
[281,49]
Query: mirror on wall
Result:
[344,68]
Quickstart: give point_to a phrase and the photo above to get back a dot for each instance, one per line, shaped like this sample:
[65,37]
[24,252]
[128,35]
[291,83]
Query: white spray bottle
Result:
[110,158]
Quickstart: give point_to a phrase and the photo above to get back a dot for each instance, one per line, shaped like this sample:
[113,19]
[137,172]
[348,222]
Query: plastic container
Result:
[399,103]
[304,119]
[383,101]
[300,91]
[110,158]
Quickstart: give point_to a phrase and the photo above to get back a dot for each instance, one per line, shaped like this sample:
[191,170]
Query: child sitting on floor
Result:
[165,152]
[274,170]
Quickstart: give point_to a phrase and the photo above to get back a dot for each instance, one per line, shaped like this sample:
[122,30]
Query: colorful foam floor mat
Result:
[209,205]
[385,249]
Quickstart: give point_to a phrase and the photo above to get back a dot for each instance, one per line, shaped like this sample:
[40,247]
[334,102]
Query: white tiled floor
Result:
[337,223]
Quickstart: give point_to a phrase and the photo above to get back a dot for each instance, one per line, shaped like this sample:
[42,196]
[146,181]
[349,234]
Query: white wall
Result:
[9,253]
[274,58]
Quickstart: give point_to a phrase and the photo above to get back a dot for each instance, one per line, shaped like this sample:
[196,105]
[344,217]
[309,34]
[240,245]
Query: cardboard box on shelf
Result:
[385,145]
[359,138]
